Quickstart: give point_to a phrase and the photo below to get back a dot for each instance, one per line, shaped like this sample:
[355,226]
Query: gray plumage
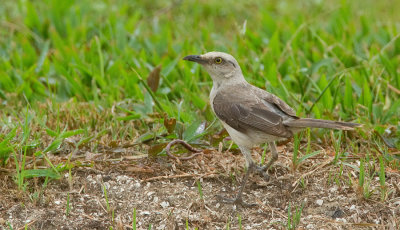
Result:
[246,111]
[252,116]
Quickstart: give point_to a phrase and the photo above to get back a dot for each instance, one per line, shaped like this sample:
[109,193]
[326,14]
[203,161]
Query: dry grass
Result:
[165,193]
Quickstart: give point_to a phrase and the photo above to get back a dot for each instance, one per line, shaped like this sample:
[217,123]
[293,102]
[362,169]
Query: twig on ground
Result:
[312,171]
[179,176]
[186,145]
[270,209]
[6,170]
[396,187]
[130,145]
[362,224]
[91,217]
[27,225]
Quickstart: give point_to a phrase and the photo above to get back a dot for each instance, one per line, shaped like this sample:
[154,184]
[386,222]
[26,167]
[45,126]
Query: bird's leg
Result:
[238,199]
[250,167]
[262,169]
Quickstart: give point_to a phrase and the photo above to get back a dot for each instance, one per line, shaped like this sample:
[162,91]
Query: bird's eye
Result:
[218,60]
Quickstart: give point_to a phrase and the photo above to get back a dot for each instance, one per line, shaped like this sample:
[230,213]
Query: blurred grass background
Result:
[68,68]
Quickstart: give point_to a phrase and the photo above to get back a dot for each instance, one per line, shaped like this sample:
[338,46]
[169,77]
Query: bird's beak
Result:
[195,58]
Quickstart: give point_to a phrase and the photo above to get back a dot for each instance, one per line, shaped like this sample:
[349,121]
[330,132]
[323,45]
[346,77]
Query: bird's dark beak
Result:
[195,58]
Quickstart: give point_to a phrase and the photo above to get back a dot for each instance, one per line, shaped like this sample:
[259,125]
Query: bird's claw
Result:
[238,201]
[261,170]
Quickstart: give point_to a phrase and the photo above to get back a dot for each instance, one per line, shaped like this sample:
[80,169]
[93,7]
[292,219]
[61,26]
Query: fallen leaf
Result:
[153,79]
[139,170]
[135,157]
[218,137]
[155,149]
[113,144]
[207,151]
[170,124]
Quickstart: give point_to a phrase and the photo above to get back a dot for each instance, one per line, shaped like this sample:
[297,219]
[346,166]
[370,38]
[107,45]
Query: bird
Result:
[251,115]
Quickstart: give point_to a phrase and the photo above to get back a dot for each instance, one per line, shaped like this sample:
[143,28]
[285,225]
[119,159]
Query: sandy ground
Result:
[166,195]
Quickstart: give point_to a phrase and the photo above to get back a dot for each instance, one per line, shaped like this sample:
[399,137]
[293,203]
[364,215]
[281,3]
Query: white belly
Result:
[251,138]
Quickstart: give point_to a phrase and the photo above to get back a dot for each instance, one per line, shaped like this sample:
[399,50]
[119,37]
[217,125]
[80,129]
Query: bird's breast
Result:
[213,93]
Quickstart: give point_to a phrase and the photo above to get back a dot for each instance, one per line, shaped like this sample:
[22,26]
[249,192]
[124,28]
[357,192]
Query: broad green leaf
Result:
[305,157]
[193,131]
[54,145]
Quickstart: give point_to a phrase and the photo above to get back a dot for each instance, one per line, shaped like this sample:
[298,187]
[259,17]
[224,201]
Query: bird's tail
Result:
[317,123]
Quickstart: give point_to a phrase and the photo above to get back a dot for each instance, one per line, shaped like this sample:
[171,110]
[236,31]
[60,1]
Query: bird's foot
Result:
[237,200]
[261,170]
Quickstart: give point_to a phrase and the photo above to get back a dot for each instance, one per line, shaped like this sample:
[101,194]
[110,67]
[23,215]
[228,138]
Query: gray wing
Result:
[271,98]
[244,112]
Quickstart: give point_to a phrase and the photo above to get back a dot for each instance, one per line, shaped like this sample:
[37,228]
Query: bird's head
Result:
[222,67]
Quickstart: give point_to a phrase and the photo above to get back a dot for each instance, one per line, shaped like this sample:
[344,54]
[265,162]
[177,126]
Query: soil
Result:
[167,194]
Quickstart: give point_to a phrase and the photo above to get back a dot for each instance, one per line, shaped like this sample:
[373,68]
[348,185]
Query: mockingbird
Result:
[251,115]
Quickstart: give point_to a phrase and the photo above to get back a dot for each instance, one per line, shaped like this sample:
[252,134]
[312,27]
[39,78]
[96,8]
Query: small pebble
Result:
[150,193]
[145,213]
[137,185]
[164,204]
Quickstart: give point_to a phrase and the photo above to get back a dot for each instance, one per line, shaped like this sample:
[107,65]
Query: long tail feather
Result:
[316,123]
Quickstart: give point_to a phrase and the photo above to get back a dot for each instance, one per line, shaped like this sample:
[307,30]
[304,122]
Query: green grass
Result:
[200,190]
[134,219]
[294,217]
[80,69]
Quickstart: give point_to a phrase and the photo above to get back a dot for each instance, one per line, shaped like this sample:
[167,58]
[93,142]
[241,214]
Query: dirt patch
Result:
[166,195]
